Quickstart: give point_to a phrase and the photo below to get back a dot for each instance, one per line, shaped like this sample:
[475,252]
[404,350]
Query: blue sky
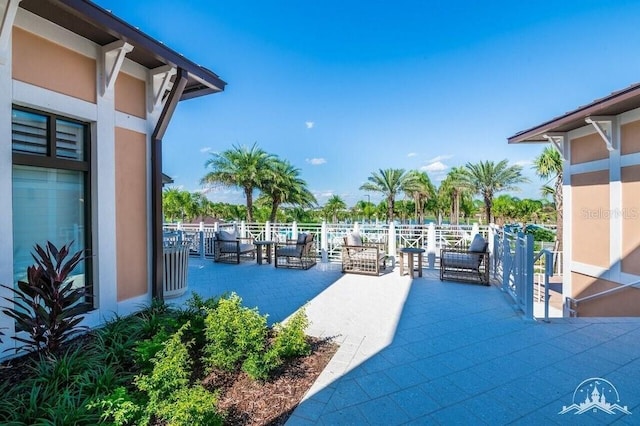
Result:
[345,88]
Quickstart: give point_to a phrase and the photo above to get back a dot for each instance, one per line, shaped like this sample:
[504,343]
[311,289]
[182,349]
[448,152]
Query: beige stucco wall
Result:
[624,303]
[130,95]
[590,234]
[630,213]
[131,213]
[630,138]
[45,64]
[588,148]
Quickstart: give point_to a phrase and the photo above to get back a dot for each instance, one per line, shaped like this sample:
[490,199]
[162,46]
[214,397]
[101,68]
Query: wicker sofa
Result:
[466,264]
[359,257]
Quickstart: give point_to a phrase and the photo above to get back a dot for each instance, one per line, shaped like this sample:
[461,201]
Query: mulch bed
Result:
[244,401]
[249,402]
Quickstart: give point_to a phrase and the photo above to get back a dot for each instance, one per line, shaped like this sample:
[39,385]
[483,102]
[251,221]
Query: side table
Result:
[260,245]
[410,252]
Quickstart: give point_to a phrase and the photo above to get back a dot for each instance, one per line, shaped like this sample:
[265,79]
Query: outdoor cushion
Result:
[478,244]
[301,238]
[354,239]
[227,236]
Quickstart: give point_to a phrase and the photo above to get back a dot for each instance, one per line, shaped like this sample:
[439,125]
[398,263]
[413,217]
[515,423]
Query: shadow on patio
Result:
[424,351]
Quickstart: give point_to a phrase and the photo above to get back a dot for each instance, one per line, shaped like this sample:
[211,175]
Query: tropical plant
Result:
[333,206]
[241,167]
[486,178]
[548,165]
[48,307]
[282,184]
[390,183]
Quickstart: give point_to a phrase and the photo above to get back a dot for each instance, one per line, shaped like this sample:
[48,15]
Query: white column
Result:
[615,206]
[103,196]
[6,215]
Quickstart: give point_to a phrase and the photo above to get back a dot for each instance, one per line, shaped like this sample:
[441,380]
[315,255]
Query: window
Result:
[50,188]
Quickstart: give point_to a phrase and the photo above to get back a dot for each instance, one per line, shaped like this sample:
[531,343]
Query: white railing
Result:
[330,235]
[513,265]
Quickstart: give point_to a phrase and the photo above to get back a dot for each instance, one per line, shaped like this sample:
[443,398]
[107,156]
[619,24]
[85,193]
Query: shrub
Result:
[119,408]
[171,372]
[291,340]
[233,333]
[47,306]
[192,406]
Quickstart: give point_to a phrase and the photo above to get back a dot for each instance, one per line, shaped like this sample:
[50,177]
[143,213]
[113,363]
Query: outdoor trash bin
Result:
[176,264]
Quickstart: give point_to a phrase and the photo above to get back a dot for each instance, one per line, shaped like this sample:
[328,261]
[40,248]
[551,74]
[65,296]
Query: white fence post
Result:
[324,242]
[431,246]
[201,246]
[356,228]
[267,231]
[294,230]
[392,240]
[243,229]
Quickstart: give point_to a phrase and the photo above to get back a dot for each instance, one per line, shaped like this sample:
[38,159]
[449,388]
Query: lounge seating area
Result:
[228,247]
[360,257]
[466,264]
[299,253]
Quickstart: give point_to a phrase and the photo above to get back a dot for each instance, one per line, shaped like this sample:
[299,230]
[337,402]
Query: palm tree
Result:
[333,206]
[239,167]
[420,188]
[486,178]
[548,165]
[452,192]
[282,185]
[388,182]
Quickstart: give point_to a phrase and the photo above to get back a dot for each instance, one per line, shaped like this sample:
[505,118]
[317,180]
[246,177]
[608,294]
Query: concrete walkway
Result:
[428,352]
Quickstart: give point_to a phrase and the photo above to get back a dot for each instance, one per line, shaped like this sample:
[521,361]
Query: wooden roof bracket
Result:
[6,24]
[160,85]
[603,126]
[114,54]
[557,140]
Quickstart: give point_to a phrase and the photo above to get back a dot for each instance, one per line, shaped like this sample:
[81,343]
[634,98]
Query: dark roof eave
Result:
[613,104]
[120,29]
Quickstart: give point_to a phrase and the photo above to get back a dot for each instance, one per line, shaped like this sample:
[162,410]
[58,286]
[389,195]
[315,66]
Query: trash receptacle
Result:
[176,264]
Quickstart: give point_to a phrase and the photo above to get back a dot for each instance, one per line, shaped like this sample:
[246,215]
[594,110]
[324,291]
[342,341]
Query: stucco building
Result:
[85,99]
[600,145]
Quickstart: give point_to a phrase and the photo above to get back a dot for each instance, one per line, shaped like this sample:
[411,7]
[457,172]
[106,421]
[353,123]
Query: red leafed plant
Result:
[47,307]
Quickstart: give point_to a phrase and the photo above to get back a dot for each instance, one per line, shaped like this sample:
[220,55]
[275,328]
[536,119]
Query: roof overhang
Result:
[611,105]
[92,22]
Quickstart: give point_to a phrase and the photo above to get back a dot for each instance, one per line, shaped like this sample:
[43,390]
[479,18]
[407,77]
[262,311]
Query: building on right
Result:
[600,147]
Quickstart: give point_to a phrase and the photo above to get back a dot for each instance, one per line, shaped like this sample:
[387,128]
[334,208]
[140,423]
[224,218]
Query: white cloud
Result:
[523,163]
[315,161]
[206,149]
[439,158]
[437,166]
[411,154]
[309,124]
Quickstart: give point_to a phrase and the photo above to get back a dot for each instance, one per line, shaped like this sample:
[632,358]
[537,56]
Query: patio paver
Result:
[422,351]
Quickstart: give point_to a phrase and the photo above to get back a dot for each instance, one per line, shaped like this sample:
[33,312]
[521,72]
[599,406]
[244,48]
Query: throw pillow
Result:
[227,236]
[354,239]
[478,244]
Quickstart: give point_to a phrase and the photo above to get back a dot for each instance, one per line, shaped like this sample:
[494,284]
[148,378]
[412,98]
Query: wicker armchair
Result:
[228,247]
[466,264]
[360,257]
[299,253]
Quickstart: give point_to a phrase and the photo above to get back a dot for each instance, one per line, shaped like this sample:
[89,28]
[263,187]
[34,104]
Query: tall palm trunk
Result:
[559,216]
[249,194]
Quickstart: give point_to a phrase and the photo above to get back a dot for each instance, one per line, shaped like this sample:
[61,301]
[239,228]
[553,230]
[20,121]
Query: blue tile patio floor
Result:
[422,351]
